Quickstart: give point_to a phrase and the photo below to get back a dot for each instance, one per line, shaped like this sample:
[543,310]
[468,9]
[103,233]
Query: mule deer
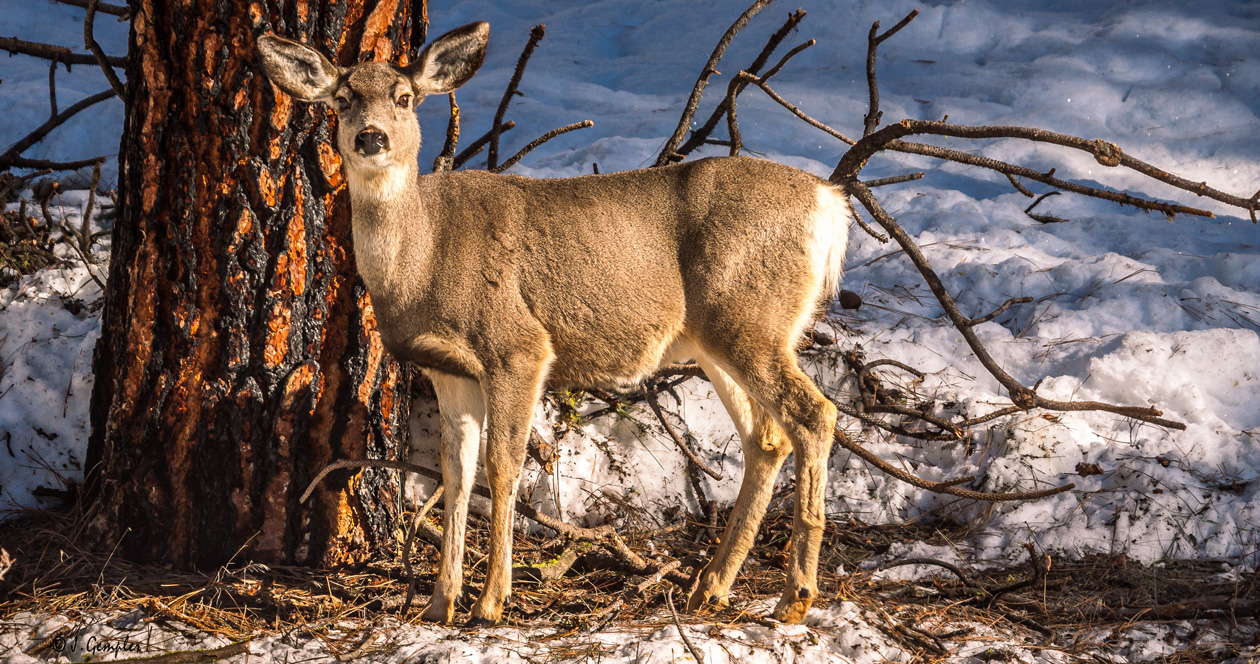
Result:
[496,285]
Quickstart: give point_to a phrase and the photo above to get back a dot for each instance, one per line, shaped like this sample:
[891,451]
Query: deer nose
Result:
[370,142]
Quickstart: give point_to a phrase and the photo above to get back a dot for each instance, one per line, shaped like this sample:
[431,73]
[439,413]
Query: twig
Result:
[1044,218]
[760,82]
[656,577]
[90,43]
[605,534]
[446,160]
[478,145]
[537,142]
[857,219]
[669,600]
[1022,396]
[193,656]
[104,7]
[669,153]
[948,487]
[52,88]
[932,561]
[1105,153]
[1000,310]
[415,526]
[691,456]
[701,136]
[896,179]
[1019,186]
[48,164]
[10,158]
[55,53]
[535,35]
[873,40]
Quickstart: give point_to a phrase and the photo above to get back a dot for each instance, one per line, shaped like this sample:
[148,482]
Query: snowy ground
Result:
[1129,308]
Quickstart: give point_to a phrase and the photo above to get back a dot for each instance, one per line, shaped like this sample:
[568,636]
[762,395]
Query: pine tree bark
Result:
[238,354]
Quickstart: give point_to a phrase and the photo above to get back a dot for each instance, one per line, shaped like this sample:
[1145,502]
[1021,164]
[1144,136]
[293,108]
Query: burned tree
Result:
[238,354]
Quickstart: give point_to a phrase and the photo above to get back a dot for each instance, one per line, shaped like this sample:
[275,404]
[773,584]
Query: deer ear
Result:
[297,68]
[450,60]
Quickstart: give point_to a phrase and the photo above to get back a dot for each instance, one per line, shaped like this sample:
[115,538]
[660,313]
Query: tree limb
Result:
[669,153]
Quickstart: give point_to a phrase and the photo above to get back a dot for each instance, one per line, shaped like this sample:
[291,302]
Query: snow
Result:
[1128,307]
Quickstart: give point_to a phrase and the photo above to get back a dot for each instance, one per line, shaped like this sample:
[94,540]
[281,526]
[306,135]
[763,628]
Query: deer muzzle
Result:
[370,142]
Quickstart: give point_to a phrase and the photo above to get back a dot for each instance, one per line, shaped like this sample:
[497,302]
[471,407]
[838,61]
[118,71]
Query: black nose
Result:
[370,142]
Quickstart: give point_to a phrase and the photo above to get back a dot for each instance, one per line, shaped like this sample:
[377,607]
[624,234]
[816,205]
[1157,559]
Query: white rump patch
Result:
[832,215]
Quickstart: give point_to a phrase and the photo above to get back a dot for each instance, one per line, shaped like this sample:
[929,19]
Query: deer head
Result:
[376,101]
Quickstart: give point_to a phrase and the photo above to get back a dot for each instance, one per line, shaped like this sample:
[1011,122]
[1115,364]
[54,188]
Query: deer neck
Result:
[389,222]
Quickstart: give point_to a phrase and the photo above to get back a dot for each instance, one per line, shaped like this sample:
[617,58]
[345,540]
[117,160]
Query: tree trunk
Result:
[238,353]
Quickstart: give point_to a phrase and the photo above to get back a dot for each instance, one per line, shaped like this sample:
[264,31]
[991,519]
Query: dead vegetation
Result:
[575,580]
[1080,608]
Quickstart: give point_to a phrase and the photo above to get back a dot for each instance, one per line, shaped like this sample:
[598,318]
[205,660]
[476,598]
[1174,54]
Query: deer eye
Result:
[342,103]
[404,101]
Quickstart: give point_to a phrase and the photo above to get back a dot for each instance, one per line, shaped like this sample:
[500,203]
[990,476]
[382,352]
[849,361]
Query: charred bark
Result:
[238,352]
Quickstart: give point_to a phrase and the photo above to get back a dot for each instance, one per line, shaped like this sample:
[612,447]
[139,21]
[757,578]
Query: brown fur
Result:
[500,285]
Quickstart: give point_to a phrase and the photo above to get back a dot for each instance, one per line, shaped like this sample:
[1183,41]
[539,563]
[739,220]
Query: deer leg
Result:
[765,447]
[511,402]
[778,385]
[461,407]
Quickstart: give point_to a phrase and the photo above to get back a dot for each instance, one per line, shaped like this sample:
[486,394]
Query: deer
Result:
[499,286]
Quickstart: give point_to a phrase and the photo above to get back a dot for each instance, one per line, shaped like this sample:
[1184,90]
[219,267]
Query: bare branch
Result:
[52,88]
[701,136]
[55,53]
[417,524]
[669,153]
[650,397]
[1000,310]
[604,534]
[873,40]
[539,141]
[446,160]
[733,126]
[857,219]
[691,647]
[535,35]
[896,179]
[949,487]
[1019,186]
[478,145]
[89,42]
[1105,153]
[47,164]
[103,7]
[1044,218]
[10,158]
[1022,396]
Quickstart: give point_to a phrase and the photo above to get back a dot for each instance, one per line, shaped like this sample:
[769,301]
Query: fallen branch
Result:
[949,487]
[604,534]
[691,647]
[416,524]
[1022,396]
[678,441]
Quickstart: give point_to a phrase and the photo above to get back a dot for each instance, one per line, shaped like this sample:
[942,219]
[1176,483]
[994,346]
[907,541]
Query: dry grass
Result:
[929,616]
